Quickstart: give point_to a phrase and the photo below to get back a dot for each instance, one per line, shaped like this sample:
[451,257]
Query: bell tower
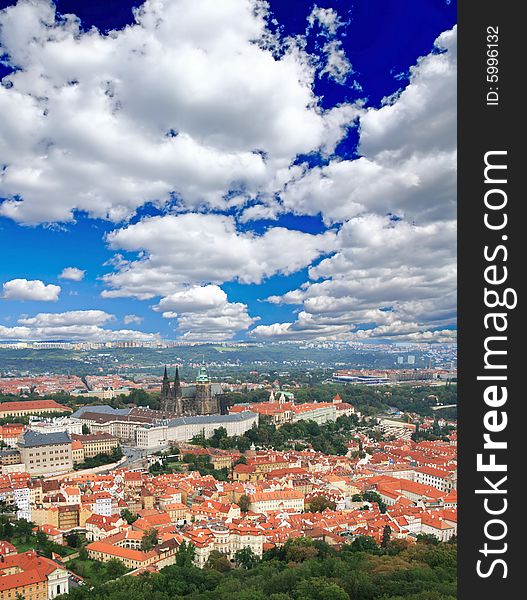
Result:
[205,402]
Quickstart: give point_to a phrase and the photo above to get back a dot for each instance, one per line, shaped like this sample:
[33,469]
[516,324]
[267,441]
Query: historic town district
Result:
[397,485]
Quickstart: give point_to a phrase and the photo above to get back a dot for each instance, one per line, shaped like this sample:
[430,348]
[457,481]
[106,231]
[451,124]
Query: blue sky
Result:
[228,173]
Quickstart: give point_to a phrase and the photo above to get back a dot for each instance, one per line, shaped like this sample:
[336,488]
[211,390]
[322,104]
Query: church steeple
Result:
[178,396]
[165,392]
[177,384]
[203,376]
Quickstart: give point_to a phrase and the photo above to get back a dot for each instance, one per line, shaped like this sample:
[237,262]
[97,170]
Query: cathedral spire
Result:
[165,393]
[177,384]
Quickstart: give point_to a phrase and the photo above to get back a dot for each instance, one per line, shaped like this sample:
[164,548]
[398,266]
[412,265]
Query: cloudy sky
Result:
[204,170]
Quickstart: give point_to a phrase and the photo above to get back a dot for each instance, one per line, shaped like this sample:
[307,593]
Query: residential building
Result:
[31,576]
[10,433]
[226,538]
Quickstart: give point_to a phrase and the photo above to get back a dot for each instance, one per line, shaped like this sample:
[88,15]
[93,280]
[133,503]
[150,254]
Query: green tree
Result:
[7,530]
[85,429]
[185,554]
[83,554]
[300,549]
[74,540]
[320,503]
[364,543]
[115,568]
[427,538]
[243,443]
[199,440]
[128,516]
[246,558]
[149,540]
[386,535]
[374,497]
[24,529]
[138,397]
[41,539]
[219,434]
[116,454]
[218,562]
[6,508]
[244,502]
[319,588]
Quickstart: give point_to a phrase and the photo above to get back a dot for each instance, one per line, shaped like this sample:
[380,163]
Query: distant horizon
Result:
[176,342]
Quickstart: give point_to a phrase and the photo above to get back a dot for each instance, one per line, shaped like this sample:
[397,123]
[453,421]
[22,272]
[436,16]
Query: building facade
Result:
[31,407]
[97,443]
[28,575]
[185,428]
[202,398]
[45,453]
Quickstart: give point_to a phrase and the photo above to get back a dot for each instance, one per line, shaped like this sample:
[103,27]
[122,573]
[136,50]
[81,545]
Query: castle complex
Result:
[202,398]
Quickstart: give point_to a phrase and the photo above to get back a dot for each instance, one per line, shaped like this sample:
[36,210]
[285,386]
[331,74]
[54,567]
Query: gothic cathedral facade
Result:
[198,399]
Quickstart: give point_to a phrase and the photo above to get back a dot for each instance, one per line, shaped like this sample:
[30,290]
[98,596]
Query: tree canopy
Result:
[359,571]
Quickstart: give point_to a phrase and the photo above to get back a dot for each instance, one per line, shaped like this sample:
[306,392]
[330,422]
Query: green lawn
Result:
[23,546]
[93,571]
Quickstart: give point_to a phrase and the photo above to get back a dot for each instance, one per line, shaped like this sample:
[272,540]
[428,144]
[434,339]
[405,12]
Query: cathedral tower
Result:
[166,394]
[177,394]
[206,403]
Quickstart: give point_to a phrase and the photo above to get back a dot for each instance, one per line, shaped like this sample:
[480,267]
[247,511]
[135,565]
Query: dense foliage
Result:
[22,534]
[329,438]
[302,570]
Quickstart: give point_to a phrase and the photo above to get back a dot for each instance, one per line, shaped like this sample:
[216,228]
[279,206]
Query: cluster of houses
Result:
[267,500]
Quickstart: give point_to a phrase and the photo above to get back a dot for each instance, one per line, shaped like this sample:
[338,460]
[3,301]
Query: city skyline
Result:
[255,172]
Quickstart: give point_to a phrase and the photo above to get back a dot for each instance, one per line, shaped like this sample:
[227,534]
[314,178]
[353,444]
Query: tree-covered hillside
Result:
[302,570]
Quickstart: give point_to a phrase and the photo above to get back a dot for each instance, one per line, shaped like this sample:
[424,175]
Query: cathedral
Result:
[202,398]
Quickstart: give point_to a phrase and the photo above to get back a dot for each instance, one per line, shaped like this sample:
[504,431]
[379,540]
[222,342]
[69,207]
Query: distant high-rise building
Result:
[411,359]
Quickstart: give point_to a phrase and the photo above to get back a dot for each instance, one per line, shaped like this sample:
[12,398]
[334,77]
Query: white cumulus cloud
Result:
[393,272]
[72,273]
[127,319]
[204,313]
[186,105]
[198,249]
[32,289]
[72,325]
